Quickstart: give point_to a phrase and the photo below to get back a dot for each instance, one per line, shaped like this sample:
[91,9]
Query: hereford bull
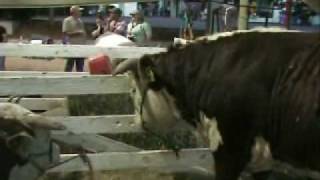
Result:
[24,138]
[245,84]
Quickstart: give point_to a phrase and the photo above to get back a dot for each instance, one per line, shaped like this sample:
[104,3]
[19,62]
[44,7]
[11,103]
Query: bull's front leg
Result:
[229,142]
[232,157]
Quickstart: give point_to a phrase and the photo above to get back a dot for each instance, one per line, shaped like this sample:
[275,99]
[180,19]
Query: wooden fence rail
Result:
[63,51]
[63,85]
[39,73]
[154,160]
[40,103]
[111,124]
[94,143]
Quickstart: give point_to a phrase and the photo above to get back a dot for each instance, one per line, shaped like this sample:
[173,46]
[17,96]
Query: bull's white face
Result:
[161,115]
[159,111]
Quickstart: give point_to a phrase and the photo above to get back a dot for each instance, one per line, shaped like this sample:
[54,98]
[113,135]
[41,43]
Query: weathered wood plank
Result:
[59,111]
[58,3]
[94,143]
[57,85]
[35,50]
[112,124]
[40,73]
[153,160]
[40,103]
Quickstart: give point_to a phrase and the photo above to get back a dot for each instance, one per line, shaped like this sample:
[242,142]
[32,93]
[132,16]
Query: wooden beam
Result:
[63,85]
[111,124]
[210,22]
[51,17]
[40,73]
[40,103]
[59,111]
[173,8]
[58,3]
[62,51]
[288,5]
[93,142]
[243,15]
[147,160]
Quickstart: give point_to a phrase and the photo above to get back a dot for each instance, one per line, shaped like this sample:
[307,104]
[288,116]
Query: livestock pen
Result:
[83,131]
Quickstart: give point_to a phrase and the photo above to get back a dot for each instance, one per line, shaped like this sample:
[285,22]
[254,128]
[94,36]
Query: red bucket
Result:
[100,64]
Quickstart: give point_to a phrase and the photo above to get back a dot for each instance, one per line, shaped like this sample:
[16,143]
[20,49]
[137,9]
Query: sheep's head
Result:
[23,134]
[17,124]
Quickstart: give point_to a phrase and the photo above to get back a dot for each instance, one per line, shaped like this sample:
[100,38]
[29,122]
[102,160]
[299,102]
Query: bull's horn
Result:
[130,64]
[39,121]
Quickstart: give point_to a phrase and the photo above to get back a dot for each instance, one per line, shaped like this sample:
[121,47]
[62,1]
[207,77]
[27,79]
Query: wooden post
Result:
[243,15]
[51,16]
[211,20]
[173,8]
[266,23]
[288,14]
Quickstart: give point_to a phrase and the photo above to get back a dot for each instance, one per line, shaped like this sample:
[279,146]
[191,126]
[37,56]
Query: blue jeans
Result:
[70,63]
[2,63]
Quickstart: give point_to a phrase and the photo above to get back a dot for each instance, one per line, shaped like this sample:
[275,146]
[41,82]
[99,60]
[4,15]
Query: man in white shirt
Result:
[74,33]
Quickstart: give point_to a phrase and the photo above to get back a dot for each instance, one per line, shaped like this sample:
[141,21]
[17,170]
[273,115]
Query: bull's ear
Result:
[127,65]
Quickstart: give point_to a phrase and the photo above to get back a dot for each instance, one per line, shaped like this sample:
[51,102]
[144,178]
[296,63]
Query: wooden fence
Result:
[85,130]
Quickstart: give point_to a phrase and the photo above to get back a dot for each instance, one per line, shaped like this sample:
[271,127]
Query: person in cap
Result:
[138,29]
[74,33]
[115,23]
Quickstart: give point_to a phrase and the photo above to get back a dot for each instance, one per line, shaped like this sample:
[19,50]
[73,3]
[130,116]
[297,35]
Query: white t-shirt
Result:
[140,32]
